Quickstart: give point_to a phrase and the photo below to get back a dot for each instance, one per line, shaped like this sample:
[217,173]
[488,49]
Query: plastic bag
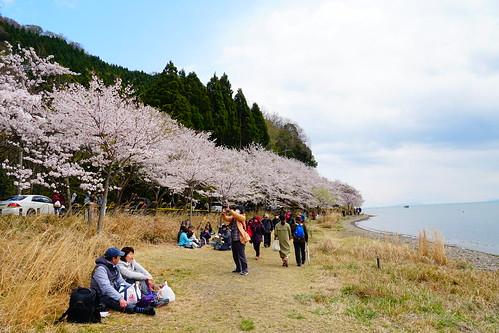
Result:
[275,245]
[131,294]
[166,293]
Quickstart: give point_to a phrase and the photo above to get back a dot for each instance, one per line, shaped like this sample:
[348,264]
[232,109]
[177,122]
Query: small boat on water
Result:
[406,206]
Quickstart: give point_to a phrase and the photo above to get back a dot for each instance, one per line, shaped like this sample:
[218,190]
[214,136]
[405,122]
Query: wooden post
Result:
[378,262]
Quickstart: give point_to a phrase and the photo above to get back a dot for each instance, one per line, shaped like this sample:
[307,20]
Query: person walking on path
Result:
[239,236]
[267,230]
[257,235]
[300,239]
[282,232]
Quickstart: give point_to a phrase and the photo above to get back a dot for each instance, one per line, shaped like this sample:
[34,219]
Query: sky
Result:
[400,99]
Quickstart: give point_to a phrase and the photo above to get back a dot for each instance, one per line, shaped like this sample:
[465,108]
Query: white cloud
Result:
[358,75]
[6,2]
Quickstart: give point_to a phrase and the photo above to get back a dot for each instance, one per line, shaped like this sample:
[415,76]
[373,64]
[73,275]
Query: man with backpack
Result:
[300,238]
[107,281]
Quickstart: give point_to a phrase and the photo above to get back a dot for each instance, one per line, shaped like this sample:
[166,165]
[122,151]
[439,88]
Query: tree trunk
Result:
[68,194]
[20,166]
[190,208]
[102,212]
[122,186]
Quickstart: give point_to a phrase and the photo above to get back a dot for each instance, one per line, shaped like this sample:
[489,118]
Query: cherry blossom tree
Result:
[24,78]
[185,162]
[232,179]
[111,129]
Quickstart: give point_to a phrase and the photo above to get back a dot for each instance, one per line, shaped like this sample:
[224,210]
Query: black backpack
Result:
[83,307]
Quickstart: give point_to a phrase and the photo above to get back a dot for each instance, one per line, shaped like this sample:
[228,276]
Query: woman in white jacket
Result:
[132,271]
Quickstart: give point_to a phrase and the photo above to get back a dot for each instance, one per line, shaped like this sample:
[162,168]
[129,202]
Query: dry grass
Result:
[342,290]
[43,258]
[434,250]
[438,249]
[423,245]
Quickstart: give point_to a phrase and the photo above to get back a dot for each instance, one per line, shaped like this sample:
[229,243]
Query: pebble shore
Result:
[479,260]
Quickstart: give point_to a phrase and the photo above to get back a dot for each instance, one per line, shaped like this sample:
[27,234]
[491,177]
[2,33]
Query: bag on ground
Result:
[130,293]
[147,299]
[83,307]
[166,293]
[275,245]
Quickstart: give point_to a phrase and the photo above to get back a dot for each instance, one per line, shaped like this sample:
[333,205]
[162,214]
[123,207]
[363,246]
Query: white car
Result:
[216,207]
[24,205]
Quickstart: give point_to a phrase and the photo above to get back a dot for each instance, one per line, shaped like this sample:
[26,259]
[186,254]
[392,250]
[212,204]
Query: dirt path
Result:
[212,299]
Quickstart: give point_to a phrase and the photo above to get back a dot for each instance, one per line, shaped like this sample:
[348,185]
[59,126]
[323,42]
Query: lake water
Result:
[469,225]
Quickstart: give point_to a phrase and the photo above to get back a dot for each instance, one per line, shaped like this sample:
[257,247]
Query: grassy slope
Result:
[341,290]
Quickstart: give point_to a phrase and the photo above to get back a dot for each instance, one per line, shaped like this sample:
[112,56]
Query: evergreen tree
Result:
[262,134]
[247,128]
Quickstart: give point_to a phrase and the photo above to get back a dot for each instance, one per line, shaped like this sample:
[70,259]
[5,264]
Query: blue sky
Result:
[399,99]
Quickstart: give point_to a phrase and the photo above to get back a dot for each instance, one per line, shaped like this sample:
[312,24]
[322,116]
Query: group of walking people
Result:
[256,230]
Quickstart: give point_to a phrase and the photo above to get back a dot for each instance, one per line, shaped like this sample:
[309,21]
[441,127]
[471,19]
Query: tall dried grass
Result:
[423,245]
[438,249]
[329,221]
[43,258]
[434,250]
[387,249]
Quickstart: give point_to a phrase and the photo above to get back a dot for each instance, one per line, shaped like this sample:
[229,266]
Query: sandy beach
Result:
[479,260]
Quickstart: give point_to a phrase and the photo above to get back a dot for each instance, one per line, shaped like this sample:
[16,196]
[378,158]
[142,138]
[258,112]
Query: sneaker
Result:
[147,310]
[244,273]
[159,303]
[236,271]
[150,311]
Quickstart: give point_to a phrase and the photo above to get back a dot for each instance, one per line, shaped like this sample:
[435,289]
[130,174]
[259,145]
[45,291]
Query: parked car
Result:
[216,207]
[25,205]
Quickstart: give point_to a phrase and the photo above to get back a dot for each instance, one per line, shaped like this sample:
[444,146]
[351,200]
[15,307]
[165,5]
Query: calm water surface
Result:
[469,225]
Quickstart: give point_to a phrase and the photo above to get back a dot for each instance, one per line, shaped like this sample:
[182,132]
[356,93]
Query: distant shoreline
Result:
[479,260]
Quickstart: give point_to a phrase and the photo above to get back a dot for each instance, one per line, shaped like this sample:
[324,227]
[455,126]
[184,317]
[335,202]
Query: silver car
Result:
[24,205]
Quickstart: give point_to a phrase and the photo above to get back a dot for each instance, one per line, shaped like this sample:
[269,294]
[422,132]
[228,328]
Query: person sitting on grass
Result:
[205,235]
[183,239]
[106,281]
[132,271]
[192,237]
[223,242]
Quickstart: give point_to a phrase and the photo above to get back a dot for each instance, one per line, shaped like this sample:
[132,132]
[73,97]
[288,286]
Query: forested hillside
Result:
[214,107]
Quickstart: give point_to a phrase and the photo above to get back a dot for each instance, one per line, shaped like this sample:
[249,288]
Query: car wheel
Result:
[30,212]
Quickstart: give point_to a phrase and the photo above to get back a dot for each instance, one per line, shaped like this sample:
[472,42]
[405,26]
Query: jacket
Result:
[133,271]
[184,240]
[267,225]
[241,225]
[106,279]
[257,232]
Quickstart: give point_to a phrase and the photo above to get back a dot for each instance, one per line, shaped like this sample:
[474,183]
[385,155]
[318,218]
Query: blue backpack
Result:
[299,231]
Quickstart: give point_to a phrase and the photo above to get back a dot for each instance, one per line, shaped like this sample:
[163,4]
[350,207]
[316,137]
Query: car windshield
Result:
[16,198]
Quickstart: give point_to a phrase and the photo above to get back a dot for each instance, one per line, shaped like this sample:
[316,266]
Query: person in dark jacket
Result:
[107,280]
[256,235]
[223,242]
[267,230]
[300,238]
[275,221]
